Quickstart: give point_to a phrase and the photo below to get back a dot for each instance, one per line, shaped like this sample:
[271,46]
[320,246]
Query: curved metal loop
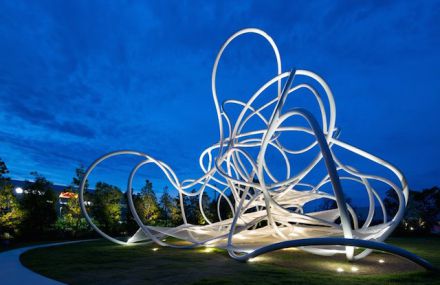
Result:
[268,209]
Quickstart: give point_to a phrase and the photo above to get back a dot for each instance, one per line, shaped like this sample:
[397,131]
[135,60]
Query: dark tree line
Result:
[33,214]
[152,210]
[39,204]
[422,213]
[37,214]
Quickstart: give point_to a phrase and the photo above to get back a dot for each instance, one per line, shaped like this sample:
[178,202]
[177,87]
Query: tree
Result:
[166,205]
[79,175]
[107,206]
[176,213]
[11,214]
[430,201]
[170,209]
[206,202]
[391,202]
[3,168]
[147,206]
[4,181]
[192,210]
[72,221]
[422,210]
[190,205]
[39,202]
[225,210]
[130,224]
[73,208]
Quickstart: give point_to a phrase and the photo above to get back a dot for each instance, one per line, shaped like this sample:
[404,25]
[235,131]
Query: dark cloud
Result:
[81,78]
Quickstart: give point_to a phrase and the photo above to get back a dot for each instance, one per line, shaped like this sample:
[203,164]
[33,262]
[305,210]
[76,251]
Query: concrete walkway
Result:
[12,272]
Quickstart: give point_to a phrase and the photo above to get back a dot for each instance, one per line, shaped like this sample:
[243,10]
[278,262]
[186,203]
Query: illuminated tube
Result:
[268,208]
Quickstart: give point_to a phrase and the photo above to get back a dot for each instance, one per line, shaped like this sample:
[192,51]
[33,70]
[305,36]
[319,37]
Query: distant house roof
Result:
[68,195]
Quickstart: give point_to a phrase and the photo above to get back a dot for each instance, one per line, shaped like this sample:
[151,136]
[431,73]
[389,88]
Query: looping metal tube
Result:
[268,210]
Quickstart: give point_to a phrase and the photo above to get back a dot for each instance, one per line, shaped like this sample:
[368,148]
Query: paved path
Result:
[12,272]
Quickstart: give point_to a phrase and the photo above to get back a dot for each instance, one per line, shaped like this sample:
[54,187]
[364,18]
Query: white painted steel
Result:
[269,209]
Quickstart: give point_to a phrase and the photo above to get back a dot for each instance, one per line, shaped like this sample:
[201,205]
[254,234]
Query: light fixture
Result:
[381,261]
[19,190]
[290,249]
[340,269]
[354,269]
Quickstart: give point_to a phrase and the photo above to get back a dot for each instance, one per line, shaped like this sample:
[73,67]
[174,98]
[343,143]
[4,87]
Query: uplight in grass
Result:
[339,269]
[354,269]
[381,261]
[290,249]
[259,259]
[155,249]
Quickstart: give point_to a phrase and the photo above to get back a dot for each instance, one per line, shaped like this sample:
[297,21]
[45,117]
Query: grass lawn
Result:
[102,262]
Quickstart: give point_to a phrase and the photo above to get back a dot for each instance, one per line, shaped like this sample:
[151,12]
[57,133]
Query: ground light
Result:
[259,259]
[255,259]
[290,249]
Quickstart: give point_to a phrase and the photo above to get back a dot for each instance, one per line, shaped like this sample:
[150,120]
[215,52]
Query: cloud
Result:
[81,78]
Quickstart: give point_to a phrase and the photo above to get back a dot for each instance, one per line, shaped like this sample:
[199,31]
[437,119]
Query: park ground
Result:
[101,262]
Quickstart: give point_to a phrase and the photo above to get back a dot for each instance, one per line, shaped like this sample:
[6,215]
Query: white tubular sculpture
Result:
[268,211]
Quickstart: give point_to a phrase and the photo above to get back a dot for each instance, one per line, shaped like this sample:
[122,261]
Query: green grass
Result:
[102,262]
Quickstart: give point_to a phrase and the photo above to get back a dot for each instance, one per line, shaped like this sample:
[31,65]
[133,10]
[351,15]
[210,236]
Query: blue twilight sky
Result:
[81,78]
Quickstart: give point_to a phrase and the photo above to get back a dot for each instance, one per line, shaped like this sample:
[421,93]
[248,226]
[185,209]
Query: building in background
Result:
[62,192]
